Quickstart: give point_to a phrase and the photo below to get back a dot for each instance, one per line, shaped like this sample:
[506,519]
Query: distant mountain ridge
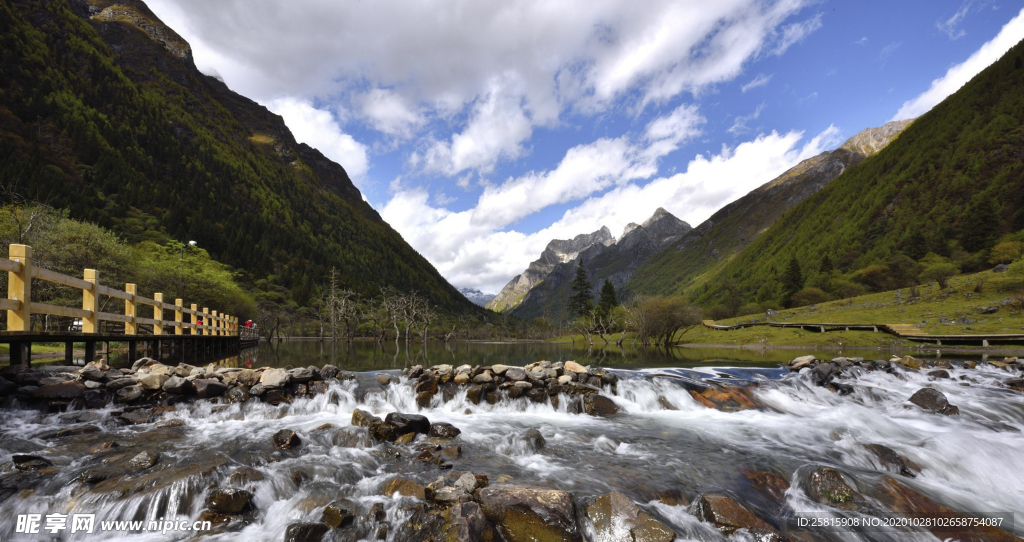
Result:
[693,259]
[604,258]
[476,296]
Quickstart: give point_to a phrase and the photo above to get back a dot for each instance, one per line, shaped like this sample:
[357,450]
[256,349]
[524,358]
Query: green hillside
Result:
[102,112]
[946,196]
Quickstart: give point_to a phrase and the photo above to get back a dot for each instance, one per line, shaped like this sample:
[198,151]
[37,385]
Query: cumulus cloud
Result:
[759,81]
[318,128]
[489,71]
[1011,34]
[481,254]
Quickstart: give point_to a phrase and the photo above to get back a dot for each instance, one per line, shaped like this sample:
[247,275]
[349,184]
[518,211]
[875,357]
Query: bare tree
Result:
[427,315]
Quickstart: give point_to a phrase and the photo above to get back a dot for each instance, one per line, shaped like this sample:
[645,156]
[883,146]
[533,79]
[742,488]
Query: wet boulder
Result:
[286,439]
[525,514]
[352,437]
[245,476]
[404,487]
[153,381]
[208,388]
[306,532]
[1015,384]
[340,514]
[893,461]
[72,389]
[7,387]
[828,486]
[408,423]
[534,439]
[909,503]
[801,362]
[616,517]
[143,461]
[599,405]
[303,375]
[362,418]
[822,373]
[729,516]
[30,462]
[177,385]
[229,501]
[382,431]
[237,394]
[465,522]
[933,401]
[443,430]
[768,483]
[129,394]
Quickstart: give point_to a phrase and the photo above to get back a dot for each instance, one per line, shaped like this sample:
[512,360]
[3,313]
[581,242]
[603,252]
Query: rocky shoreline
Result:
[457,504]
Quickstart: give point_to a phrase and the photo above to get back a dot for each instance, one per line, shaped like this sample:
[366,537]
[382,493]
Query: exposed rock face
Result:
[614,261]
[476,296]
[716,240]
[527,515]
[558,251]
[616,517]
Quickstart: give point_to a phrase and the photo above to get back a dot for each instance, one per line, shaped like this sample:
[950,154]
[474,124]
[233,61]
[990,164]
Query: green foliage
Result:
[809,296]
[142,144]
[792,281]
[954,179]
[581,300]
[940,273]
[1005,252]
[608,299]
[1016,269]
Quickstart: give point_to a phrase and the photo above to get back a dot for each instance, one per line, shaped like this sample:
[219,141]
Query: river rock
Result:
[362,418]
[144,362]
[382,431]
[934,401]
[153,381]
[893,461]
[404,487]
[237,394]
[286,439]
[275,378]
[907,502]
[229,501]
[465,522]
[129,394]
[801,362]
[599,405]
[72,389]
[821,374]
[30,462]
[729,516]
[524,514]
[177,385]
[306,532]
[118,383]
[1015,384]
[207,388]
[483,378]
[461,378]
[534,439]
[443,430]
[769,483]
[302,374]
[827,486]
[7,387]
[515,374]
[340,514]
[408,423]
[245,476]
[474,393]
[143,461]
[616,517]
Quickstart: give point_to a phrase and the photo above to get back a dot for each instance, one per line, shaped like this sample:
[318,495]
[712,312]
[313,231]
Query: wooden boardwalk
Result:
[173,328]
[908,332]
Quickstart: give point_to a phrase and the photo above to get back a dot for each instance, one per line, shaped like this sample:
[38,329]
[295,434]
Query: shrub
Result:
[809,296]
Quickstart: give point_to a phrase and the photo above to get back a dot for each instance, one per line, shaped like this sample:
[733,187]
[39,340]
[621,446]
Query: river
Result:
[661,441]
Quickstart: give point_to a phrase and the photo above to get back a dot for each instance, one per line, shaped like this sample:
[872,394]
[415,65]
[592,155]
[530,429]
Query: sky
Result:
[482,130]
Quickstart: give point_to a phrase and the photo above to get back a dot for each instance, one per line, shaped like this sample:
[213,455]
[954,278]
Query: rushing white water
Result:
[661,440]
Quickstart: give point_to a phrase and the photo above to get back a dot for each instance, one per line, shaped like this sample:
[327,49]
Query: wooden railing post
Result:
[178,304]
[91,301]
[195,317]
[213,320]
[131,326]
[158,314]
[19,287]
[206,321]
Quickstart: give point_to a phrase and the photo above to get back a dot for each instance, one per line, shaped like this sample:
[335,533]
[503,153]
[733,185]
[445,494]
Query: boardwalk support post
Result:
[19,288]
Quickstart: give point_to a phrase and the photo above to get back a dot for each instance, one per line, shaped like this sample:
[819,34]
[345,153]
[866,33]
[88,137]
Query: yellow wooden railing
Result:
[20,307]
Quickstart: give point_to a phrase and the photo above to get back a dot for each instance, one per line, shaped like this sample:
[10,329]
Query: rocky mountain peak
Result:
[872,140]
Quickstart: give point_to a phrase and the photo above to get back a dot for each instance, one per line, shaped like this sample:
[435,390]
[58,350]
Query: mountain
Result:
[476,296]
[557,252]
[949,191]
[613,260]
[691,260]
[103,112]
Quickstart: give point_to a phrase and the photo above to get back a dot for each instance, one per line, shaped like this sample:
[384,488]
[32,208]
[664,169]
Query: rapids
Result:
[662,440]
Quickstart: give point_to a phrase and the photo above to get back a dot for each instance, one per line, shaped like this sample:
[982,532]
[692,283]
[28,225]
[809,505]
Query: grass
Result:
[955,310]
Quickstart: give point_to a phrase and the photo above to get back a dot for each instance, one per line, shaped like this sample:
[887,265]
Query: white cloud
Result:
[1011,34]
[388,112]
[318,128]
[739,126]
[484,256]
[490,71]
[759,81]
[949,26]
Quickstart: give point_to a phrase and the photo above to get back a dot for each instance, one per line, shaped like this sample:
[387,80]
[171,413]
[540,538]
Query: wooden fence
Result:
[20,307]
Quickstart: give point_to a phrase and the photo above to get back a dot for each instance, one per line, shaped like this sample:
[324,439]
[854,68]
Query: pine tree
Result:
[608,299]
[826,264]
[792,281]
[580,301]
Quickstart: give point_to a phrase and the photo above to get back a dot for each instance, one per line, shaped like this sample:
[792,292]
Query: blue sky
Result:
[481,130]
